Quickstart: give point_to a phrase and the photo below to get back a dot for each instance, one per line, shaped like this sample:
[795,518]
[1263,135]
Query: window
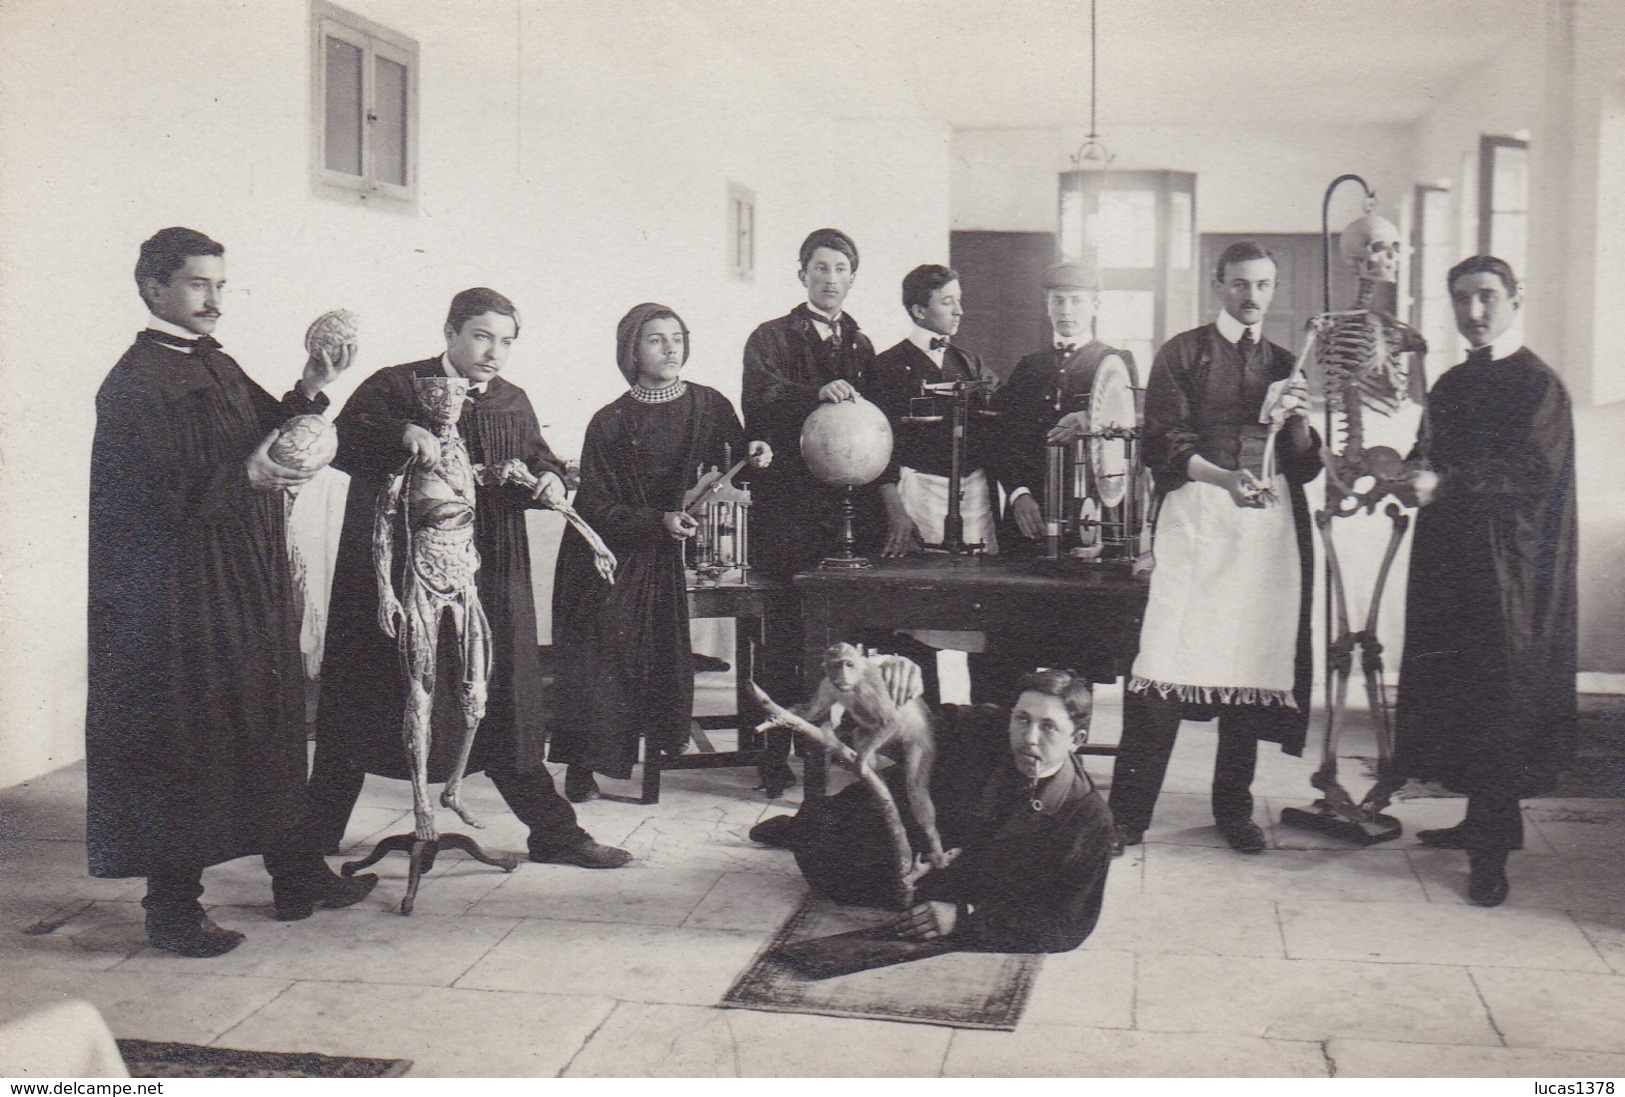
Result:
[364,99]
[1431,258]
[1503,199]
[741,232]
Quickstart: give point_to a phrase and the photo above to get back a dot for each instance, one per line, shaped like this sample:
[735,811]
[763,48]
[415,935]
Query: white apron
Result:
[1221,624]
[925,498]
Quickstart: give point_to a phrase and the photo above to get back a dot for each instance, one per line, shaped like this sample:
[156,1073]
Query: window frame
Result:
[375,41]
[1489,145]
[741,260]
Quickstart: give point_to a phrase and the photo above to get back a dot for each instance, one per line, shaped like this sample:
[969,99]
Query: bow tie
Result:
[939,344]
[1066,348]
[1481,356]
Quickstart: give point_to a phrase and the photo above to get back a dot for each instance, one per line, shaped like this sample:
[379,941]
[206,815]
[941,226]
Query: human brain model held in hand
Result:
[331,331]
[305,443]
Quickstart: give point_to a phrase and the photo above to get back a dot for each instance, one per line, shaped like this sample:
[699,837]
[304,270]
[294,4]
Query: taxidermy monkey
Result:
[905,731]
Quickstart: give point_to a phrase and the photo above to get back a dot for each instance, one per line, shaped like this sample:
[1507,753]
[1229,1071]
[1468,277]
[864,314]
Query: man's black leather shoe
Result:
[1244,836]
[589,854]
[1123,837]
[297,897]
[1487,883]
[201,939]
[1444,837]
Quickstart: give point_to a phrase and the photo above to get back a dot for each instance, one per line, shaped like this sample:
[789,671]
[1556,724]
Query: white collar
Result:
[1231,328]
[451,371]
[1505,345]
[158,323]
[1056,339]
[821,317]
[921,337]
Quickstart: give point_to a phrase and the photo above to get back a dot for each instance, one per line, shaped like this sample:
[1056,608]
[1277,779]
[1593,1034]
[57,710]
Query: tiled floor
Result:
[1312,959]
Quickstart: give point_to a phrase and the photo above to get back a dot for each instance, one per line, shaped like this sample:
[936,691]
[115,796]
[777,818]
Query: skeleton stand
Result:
[1356,351]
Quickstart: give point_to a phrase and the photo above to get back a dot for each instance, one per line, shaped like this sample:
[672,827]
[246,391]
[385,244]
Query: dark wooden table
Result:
[750,605]
[1088,604]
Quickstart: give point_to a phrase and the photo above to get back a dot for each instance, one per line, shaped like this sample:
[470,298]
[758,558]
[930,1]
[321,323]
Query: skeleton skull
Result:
[1371,246]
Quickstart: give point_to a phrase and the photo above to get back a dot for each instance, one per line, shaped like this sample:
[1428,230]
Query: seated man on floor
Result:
[1033,835]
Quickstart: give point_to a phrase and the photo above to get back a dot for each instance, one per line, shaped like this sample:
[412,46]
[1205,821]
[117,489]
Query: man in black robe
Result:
[358,724]
[1487,685]
[1033,835]
[194,727]
[813,355]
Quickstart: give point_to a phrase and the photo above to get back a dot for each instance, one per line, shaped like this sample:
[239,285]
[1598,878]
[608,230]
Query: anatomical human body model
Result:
[438,577]
[1357,359]
[515,471]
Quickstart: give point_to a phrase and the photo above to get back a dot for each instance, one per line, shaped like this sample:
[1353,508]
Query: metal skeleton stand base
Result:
[1323,819]
[423,852]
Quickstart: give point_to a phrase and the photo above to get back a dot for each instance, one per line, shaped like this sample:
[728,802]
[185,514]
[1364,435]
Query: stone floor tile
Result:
[1351,875]
[1094,989]
[87,936]
[56,871]
[1310,999]
[723,847]
[445,1032]
[638,893]
[371,822]
[799,1045]
[1436,933]
[1066,1051]
[1376,1059]
[1555,1009]
[749,902]
[641,1040]
[1593,881]
[1606,931]
[1188,924]
[1596,833]
[367,943]
[630,962]
[162,1004]
[1185,819]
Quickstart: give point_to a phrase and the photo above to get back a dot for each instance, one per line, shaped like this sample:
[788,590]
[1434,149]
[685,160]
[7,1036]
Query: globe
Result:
[305,443]
[847,443]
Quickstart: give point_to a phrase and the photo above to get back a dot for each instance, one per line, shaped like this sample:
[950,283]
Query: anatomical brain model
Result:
[306,443]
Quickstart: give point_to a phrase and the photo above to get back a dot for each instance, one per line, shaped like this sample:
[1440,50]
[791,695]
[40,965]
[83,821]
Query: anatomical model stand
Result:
[1357,358]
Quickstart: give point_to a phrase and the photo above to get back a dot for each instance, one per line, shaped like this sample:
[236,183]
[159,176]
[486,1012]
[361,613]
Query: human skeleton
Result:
[1356,359]
[438,576]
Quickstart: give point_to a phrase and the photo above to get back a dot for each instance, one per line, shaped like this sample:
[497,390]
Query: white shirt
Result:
[451,371]
[823,321]
[921,337]
[1231,328]
[1505,345]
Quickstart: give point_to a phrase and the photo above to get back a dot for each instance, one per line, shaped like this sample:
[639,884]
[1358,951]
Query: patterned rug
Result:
[962,989]
[149,1059]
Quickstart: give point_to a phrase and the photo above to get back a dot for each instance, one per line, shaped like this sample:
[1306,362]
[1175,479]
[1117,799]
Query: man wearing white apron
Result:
[1226,630]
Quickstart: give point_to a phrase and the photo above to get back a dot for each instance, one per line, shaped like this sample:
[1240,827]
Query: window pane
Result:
[1180,229]
[1128,319]
[1126,229]
[343,113]
[389,126]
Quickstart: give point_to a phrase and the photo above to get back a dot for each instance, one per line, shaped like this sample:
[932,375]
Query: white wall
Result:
[576,162]
[1262,180]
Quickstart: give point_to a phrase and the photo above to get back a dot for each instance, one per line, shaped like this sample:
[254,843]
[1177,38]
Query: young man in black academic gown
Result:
[358,725]
[1486,687]
[815,354]
[194,726]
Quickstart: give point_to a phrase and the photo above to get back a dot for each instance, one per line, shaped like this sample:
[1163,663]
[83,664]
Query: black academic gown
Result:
[625,667]
[363,688]
[194,727]
[1487,684]
[795,518]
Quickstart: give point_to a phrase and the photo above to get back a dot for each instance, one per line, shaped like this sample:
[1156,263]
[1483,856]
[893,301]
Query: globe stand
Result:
[847,559]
